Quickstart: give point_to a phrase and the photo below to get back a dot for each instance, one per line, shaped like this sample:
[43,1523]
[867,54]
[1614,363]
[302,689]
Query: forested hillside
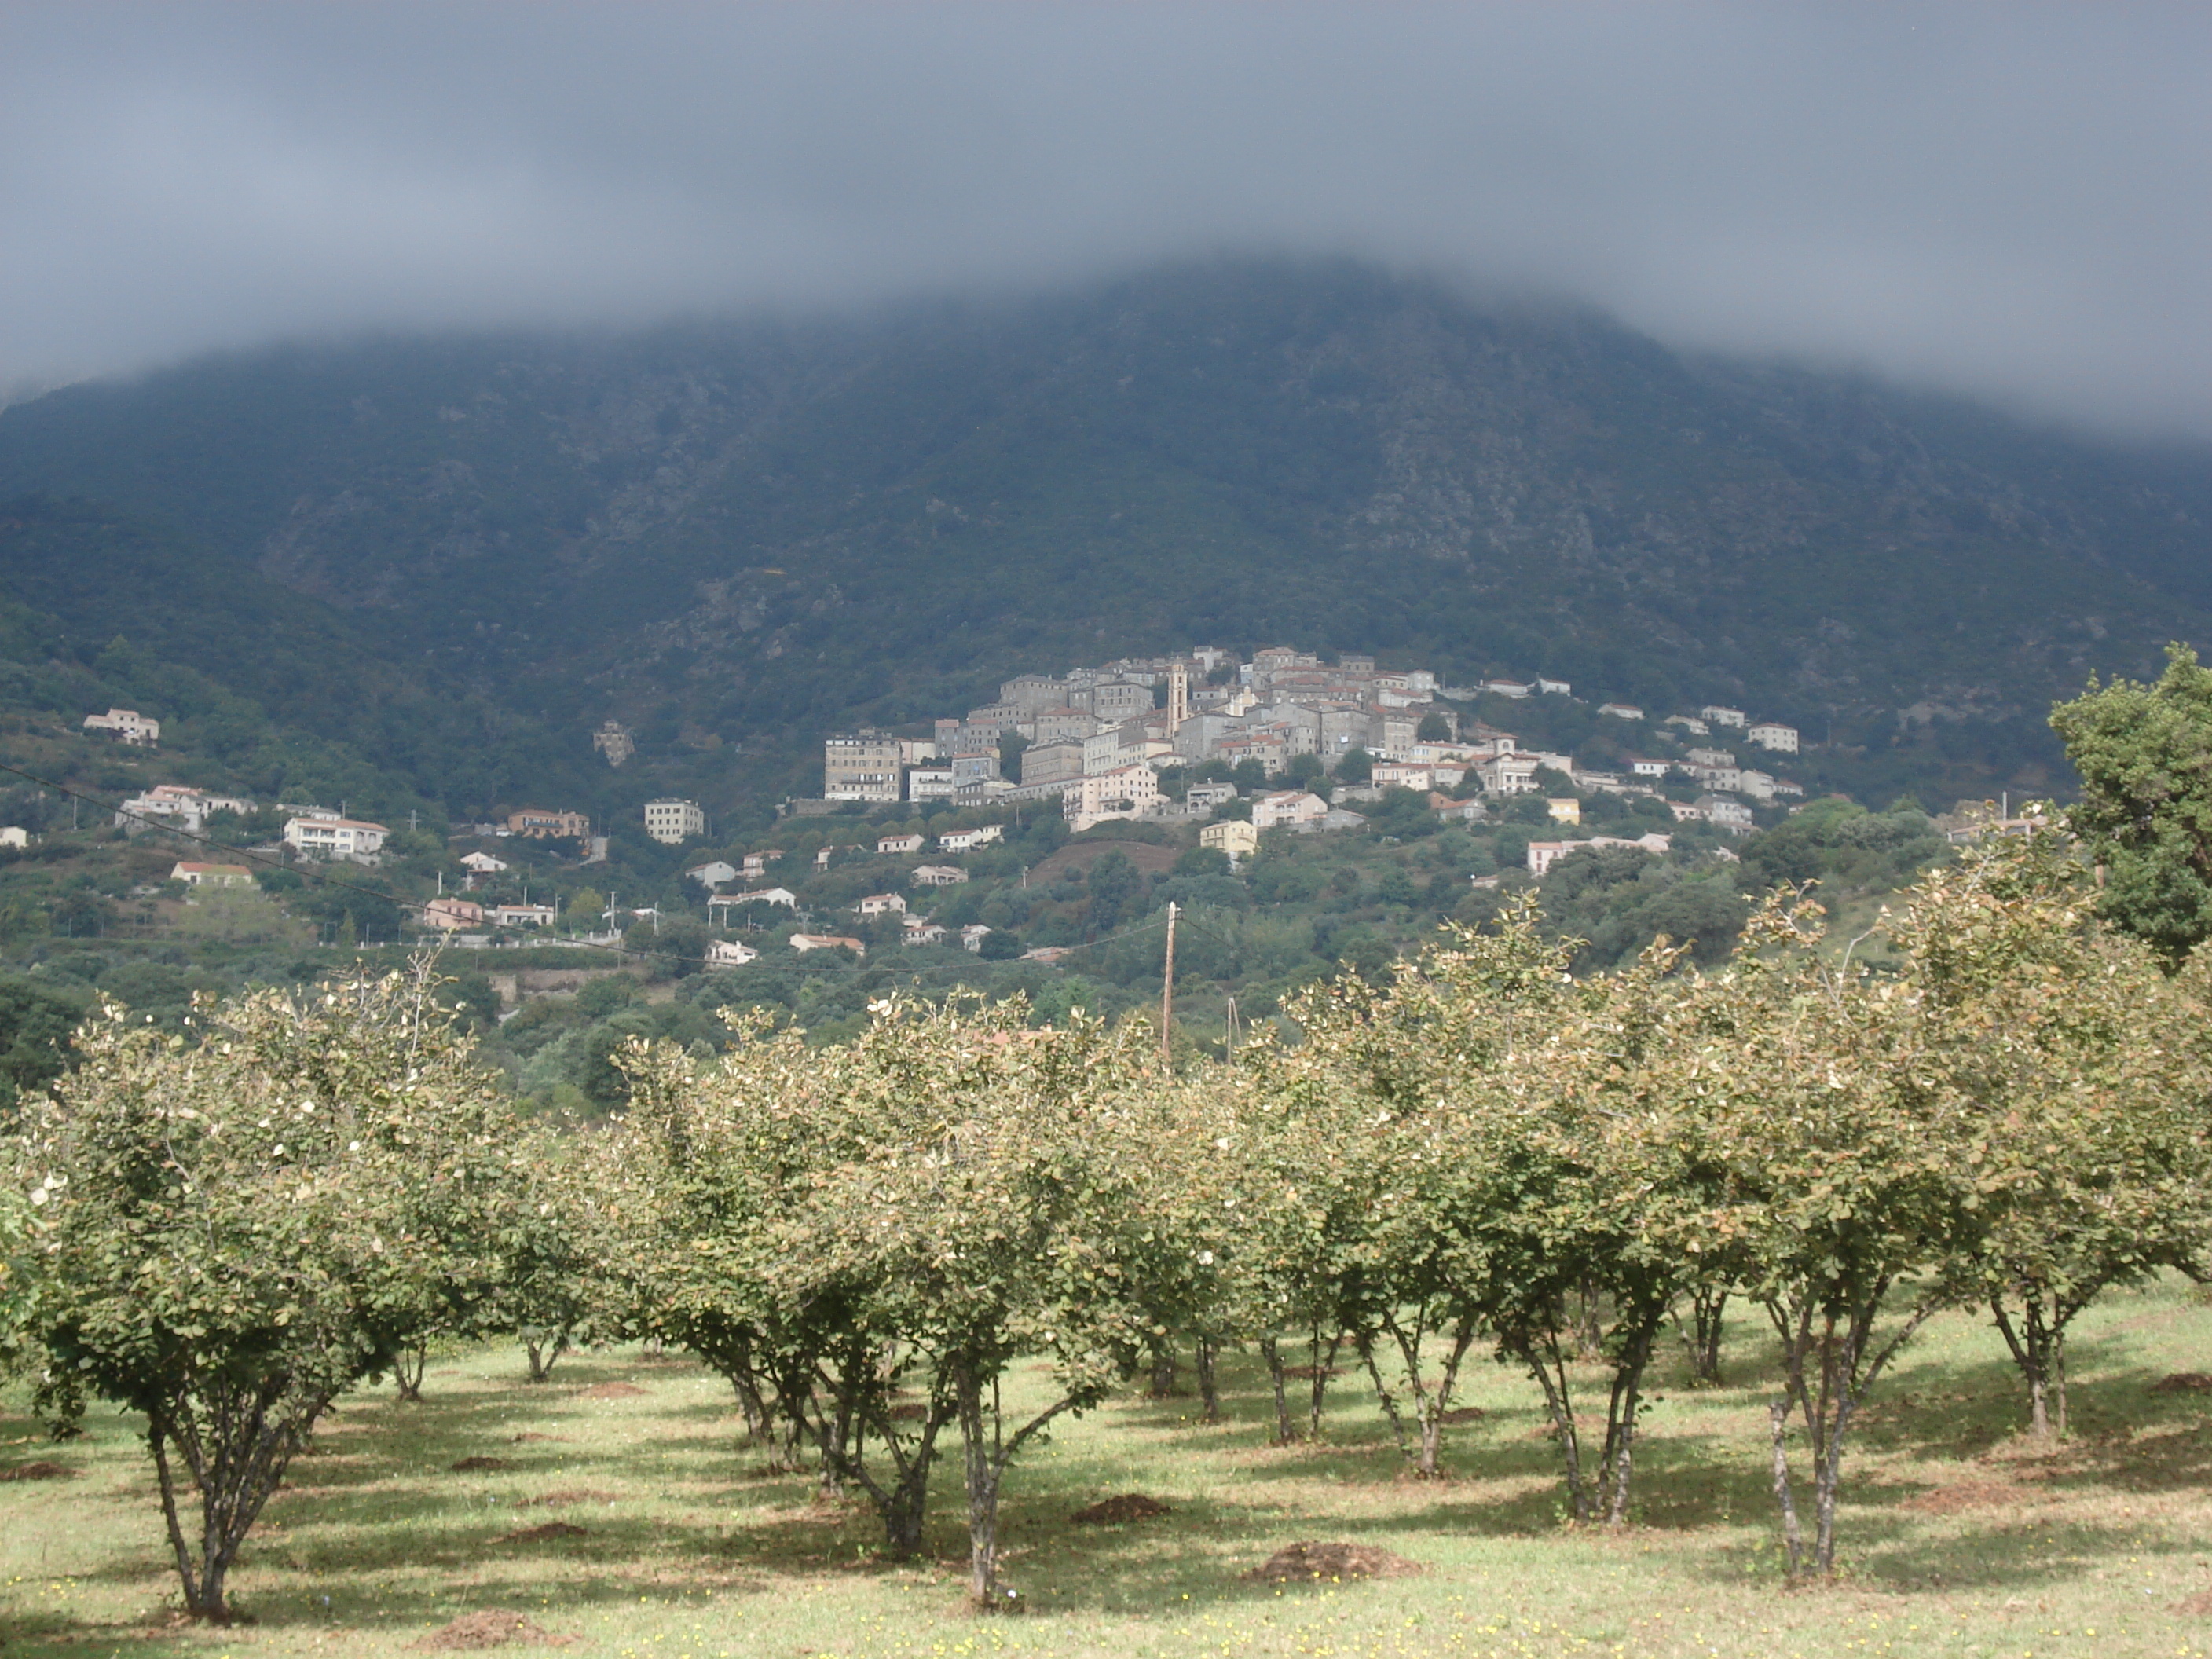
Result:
[453,556]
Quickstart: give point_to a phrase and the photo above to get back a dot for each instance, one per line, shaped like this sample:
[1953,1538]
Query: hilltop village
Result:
[1098,741]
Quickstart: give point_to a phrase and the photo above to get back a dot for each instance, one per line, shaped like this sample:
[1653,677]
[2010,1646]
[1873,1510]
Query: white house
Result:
[1641,767]
[1507,687]
[1402,774]
[176,804]
[827,942]
[973,935]
[898,846]
[1555,688]
[729,953]
[1759,786]
[1124,792]
[1511,775]
[212,875]
[1291,807]
[523,916]
[966,841]
[877,904]
[917,932]
[1621,711]
[1724,813]
[782,895]
[1717,716]
[938,875]
[713,873]
[756,864]
[15,836]
[127,724]
[482,864]
[1771,734]
[337,838]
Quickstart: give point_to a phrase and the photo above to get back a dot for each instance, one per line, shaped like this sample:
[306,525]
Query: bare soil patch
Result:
[2200,1602]
[1307,1373]
[613,1391]
[41,1470]
[479,1464]
[1150,860]
[535,1440]
[909,1410]
[493,1629]
[1112,1512]
[1306,1564]
[569,1495]
[1463,1414]
[1975,1495]
[551,1532]
[2184,1382]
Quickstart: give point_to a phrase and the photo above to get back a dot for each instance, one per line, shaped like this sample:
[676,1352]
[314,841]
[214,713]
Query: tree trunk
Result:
[2038,1340]
[545,1346]
[407,1372]
[1209,1392]
[1284,1433]
[233,1480]
[1622,1407]
[1548,1365]
[1704,1336]
[1322,1370]
[1164,1371]
[1792,1538]
[983,1469]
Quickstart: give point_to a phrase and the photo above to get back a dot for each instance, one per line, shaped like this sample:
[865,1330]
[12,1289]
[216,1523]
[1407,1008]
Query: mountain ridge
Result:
[735,536]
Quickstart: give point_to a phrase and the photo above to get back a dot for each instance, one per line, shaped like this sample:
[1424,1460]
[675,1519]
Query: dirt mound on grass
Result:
[613,1391]
[478,1464]
[1463,1414]
[1112,1512]
[2184,1382]
[2200,1602]
[535,1440]
[40,1471]
[1306,1564]
[909,1410]
[552,1532]
[473,1631]
[570,1495]
[1307,1373]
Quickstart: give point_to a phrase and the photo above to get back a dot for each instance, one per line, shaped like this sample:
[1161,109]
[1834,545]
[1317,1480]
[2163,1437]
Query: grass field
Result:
[1960,1538]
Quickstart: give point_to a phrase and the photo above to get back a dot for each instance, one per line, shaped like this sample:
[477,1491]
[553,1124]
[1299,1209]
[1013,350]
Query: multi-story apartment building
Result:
[335,837]
[541,825]
[673,822]
[860,766]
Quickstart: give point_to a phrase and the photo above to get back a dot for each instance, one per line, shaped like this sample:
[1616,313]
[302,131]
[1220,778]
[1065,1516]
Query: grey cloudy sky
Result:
[2009,200]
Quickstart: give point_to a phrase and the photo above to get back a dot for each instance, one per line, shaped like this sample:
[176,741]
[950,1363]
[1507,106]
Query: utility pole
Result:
[1167,992]
[1229,1033]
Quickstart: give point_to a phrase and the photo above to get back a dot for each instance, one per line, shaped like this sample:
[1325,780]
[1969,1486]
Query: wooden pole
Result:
[1167,993]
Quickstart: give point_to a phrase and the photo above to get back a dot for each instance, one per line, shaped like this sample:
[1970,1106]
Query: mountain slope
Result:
[734,537]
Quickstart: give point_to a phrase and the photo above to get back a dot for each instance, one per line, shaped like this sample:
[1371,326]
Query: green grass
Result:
[1962,1539]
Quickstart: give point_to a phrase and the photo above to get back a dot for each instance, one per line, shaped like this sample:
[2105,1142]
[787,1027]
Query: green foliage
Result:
[2144,754]
[229,1229]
